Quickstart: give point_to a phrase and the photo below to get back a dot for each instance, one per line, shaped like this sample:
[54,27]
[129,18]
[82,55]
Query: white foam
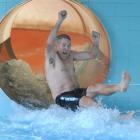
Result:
[57,123]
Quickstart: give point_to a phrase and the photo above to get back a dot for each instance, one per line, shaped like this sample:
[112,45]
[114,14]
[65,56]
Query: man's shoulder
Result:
[73,52]
[50,50]
[50,46]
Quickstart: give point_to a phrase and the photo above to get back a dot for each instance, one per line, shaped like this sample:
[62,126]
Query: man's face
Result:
[63,47]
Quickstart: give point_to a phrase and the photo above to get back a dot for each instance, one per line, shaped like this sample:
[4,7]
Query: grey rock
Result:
[23,86]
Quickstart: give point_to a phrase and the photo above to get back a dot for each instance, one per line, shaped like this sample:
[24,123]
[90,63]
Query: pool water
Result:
[56,123]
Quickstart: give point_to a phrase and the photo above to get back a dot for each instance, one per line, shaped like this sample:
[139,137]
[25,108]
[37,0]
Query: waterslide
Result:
[121,24]
[24,33]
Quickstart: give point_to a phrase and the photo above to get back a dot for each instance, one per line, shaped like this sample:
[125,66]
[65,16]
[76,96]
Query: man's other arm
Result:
[93,53]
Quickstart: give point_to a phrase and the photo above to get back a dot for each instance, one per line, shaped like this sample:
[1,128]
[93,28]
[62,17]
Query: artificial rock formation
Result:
[23,86]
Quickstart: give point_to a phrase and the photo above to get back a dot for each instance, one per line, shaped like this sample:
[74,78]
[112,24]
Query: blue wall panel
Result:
[121,18]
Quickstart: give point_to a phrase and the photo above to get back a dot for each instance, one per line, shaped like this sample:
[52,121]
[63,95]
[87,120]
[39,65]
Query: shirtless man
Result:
[60,73]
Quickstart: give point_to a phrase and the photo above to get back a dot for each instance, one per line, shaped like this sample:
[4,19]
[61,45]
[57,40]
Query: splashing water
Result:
[61,124]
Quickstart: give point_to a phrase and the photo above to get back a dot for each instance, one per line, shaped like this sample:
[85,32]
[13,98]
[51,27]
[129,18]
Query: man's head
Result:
[63,45]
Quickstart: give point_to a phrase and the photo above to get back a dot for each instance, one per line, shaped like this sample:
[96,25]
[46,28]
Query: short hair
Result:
[63,36]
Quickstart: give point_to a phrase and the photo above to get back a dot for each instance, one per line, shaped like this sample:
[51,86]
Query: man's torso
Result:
[60,74]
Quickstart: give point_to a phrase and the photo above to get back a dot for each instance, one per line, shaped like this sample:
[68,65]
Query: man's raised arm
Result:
[94,52]
[50,42]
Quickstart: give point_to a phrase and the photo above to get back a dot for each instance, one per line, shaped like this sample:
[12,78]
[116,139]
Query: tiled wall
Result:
[121,19]
[6,5]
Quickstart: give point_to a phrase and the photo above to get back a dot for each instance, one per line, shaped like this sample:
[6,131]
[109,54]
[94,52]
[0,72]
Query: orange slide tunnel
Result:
[25,29]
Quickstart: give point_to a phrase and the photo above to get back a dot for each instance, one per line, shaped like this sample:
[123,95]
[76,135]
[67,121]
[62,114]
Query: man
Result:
[60,73]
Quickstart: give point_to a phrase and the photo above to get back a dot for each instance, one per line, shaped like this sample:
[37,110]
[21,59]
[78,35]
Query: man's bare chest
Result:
[66,65]
[58,64]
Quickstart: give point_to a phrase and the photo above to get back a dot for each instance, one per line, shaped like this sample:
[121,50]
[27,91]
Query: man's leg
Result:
[86,101]
[102,89]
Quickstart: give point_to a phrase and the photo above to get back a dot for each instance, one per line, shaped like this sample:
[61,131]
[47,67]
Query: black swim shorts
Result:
[70,99]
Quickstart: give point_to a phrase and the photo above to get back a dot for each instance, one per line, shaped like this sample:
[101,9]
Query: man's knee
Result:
[86,101]
[92,90]
[95,88]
